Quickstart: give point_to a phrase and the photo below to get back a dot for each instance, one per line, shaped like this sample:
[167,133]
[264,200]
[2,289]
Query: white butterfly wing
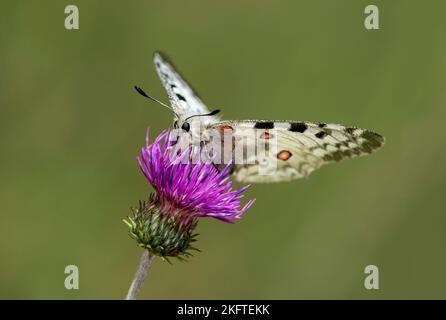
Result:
[183,99]
[295,149]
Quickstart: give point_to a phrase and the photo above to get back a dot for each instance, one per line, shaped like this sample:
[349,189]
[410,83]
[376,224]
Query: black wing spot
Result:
[264,125]
[179,96]
[320,134]
[373,139]
[350,130]
[173,86]
[322,125]
[298,127]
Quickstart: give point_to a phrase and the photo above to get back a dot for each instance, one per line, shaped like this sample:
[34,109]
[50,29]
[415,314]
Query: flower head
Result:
[183,192]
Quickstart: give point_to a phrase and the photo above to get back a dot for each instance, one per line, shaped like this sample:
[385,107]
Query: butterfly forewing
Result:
[183,99]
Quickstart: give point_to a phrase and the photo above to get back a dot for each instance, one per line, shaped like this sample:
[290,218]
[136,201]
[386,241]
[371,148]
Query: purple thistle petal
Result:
[200,189]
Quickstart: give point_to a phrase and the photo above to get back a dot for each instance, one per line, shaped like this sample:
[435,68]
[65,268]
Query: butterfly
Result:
[293,149]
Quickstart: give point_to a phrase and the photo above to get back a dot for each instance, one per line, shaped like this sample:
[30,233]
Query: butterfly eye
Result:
[185,126]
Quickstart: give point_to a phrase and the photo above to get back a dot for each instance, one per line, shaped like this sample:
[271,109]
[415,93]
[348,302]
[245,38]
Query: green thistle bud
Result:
[162,231]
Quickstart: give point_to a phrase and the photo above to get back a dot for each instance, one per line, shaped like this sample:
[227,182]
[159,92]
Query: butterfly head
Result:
[185,124]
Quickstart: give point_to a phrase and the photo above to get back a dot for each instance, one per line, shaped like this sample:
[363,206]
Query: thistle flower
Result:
[183,193]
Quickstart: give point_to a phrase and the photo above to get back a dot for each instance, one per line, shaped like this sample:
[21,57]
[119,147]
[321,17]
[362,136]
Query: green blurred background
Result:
[71,126]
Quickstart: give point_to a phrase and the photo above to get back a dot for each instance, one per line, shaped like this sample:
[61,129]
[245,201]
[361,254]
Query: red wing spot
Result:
[284,155]
[225,127]
[266,135]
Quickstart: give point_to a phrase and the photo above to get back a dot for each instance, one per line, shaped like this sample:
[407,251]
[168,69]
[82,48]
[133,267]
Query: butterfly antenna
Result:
[142,92]
[213,113]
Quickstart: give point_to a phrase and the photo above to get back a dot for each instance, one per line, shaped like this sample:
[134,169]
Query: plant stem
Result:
[140,275]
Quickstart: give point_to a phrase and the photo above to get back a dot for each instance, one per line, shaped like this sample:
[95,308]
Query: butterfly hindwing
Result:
[295,149]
